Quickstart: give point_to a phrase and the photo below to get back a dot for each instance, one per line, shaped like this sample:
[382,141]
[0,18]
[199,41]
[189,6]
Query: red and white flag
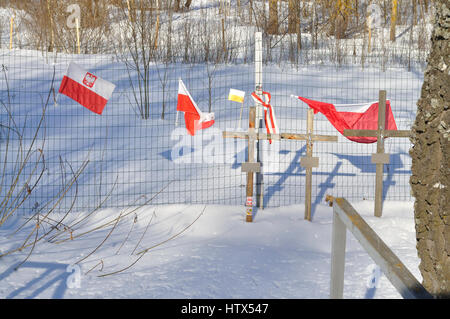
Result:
[269,114]
[353,116]
[194,118]
[86,88]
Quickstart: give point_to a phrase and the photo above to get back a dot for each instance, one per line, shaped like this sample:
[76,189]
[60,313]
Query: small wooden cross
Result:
[252,166]
[380,157]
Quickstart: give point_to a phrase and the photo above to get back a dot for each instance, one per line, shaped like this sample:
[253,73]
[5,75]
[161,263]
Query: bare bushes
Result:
[51,24]
[22,168]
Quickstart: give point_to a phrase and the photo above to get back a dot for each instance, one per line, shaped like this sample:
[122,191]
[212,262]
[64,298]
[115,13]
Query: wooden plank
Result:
[374,133]
[309,162]
[251,167]
[264,136]
[396,133]
[275,137]
[380,158]
[282,136]
[362,133]
[392,267]
[339,237]
[324,138]
[304,137]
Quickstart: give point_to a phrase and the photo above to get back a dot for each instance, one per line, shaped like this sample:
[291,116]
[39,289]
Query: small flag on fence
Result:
[86,88]
[353,116]
[236,96]
[269,114]
[193,117]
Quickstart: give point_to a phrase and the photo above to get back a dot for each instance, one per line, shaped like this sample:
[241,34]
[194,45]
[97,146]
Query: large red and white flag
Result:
[194,118]
[86,88]
[353,116]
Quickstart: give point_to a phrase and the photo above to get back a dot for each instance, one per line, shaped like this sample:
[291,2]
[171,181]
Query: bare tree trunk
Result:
[314,27]
[250,11]
[339,19]
[430,180]
[272,28]
[393,19]
[414,10]
[176,5]
[294,16]
[52,36]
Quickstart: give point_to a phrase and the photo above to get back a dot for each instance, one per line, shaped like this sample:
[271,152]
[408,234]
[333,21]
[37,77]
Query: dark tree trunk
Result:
[176,5]
[272,28]
[430,180]
[294,16]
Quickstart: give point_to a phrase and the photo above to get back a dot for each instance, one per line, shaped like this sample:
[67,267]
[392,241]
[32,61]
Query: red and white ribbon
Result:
[269,114]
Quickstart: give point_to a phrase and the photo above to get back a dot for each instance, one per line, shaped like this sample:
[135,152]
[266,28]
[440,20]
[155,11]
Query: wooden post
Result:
[308,168]
[309,162]
[224,45]
[52,33]
[393,19]
[259,117]
[251,159]
[380,157]
[376,159]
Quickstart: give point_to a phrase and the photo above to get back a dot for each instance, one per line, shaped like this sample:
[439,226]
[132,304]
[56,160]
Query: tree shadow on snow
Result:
[294,169]
[365,165]
[54,273]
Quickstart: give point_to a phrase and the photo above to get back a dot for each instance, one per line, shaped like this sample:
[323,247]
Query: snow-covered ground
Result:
[279,255]
[193,250]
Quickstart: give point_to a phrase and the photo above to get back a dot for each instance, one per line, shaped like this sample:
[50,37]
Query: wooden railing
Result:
[346,217]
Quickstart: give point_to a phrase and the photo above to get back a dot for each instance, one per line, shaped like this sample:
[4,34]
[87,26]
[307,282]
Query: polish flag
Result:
[86,88]
[353,116]
[194,118]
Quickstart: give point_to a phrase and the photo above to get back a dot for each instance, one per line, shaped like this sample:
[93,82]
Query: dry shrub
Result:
[48,24]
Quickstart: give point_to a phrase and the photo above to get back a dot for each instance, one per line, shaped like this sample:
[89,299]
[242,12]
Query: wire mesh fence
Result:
[64,157]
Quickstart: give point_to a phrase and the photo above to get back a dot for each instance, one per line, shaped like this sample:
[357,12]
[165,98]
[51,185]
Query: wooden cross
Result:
[252,166]
[380,157]
[308,162]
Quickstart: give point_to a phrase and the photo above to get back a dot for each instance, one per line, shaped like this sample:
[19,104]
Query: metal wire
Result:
[131,158]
